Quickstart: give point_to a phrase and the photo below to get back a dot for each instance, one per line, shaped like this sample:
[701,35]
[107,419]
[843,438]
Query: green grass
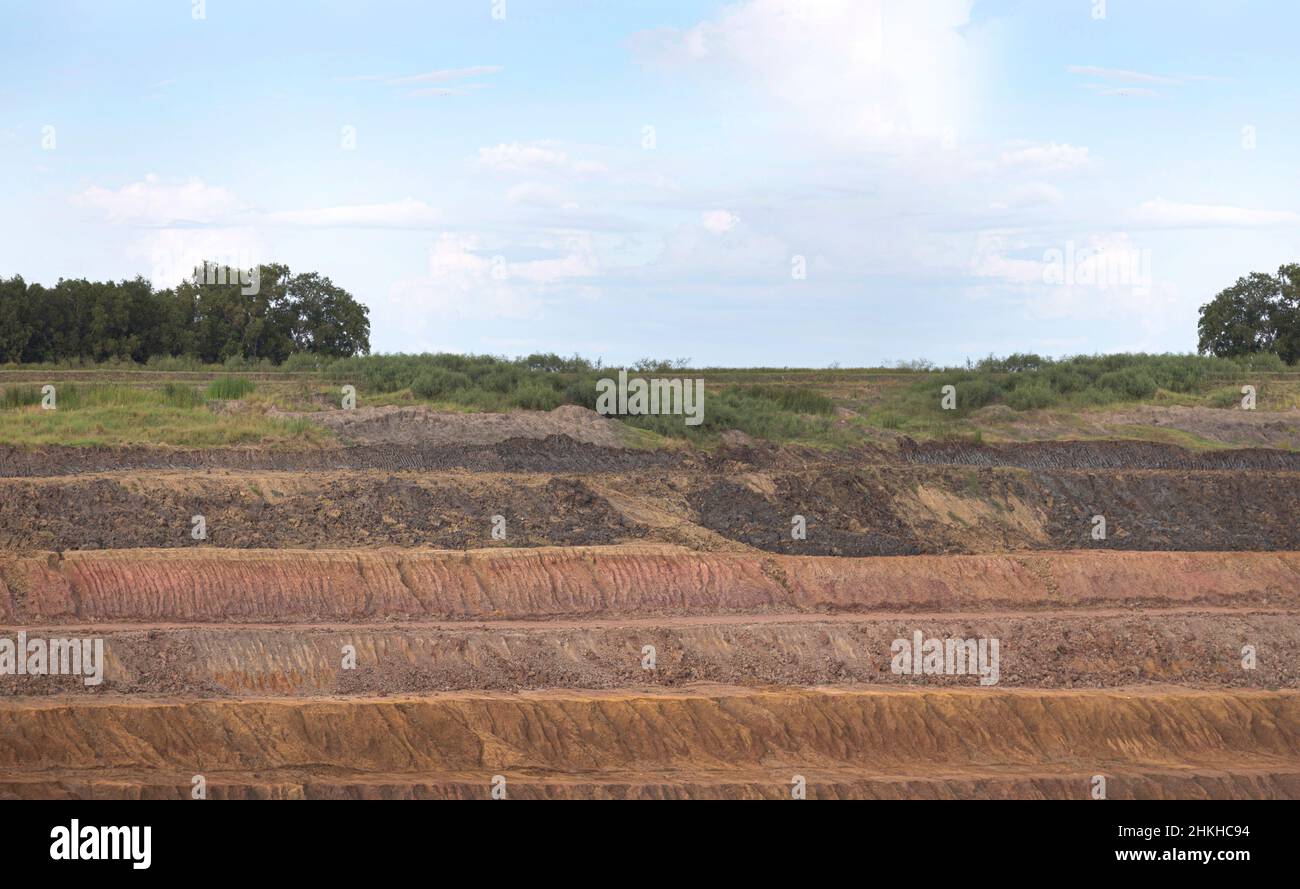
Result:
[230,388]
[1030,397]
[117,414]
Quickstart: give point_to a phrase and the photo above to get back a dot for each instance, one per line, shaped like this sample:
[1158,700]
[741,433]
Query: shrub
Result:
[1031,396]
[1131,382]
[976,393]
[436,382]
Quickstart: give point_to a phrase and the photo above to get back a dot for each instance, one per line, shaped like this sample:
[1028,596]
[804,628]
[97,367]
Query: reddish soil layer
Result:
[285,586]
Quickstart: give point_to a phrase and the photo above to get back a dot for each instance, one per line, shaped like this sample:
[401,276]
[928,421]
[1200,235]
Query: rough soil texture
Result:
[1226,428]
[524,657]
[1250,740]
[1052,649]
[851,511]
[562,454]
[392,424]
[1097,455]
[286,586]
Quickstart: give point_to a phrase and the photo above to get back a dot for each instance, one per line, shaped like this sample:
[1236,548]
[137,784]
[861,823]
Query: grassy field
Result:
[1022,396]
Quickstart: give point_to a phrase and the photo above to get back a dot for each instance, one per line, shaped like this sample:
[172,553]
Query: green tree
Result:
[1259,313]
[14,330]
[329,320]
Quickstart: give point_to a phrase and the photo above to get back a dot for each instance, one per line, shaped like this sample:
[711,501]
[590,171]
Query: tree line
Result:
[218,314]
[1260,313]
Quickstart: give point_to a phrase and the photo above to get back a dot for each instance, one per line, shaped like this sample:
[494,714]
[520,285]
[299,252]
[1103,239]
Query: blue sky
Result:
[629,179]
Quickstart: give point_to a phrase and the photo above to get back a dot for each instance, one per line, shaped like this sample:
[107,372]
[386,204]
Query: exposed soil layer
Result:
[1097,455]
[1250,740]
[848,510]
[1038,650]
[559,453]
[556,453]
[524,656]
[910,510]
[422,426]
[1225,428]
[296,586]
[1239,782]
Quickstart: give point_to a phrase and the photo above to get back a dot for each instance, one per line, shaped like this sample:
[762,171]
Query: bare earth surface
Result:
[648,627]
[423,426]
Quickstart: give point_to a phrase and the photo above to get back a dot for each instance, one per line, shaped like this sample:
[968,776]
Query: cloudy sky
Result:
[763,182]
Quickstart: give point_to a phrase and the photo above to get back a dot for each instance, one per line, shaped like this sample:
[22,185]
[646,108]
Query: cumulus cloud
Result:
[1102,275]
[858,71]
[718,221]
[533,158]
[1045,157]
[157,203]
[468,280]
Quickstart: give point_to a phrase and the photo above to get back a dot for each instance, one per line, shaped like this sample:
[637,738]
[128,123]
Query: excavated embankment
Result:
[201,585]
[561,454]
[1249,740]
[351,629]
[850,511]
[1057,649]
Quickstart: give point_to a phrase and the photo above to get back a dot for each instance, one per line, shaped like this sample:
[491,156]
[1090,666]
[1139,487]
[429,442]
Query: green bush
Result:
[977,392]
[1131,382]
[535,396]
[1033,395]
[436,382]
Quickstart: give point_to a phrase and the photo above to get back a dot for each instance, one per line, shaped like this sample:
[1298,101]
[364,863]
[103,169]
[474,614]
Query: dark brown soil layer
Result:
[849,511]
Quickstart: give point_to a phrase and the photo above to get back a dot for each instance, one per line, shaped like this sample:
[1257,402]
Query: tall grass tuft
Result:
[228,388]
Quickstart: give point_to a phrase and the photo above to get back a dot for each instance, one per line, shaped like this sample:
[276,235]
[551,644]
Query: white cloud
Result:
[468,280]
[534,158]
[173,254]
[1047,157]
[1171,214]
[718,221]
[1104,275]
[537,194]
[856,71]
[155,202]
[1120,74]
[406,213]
